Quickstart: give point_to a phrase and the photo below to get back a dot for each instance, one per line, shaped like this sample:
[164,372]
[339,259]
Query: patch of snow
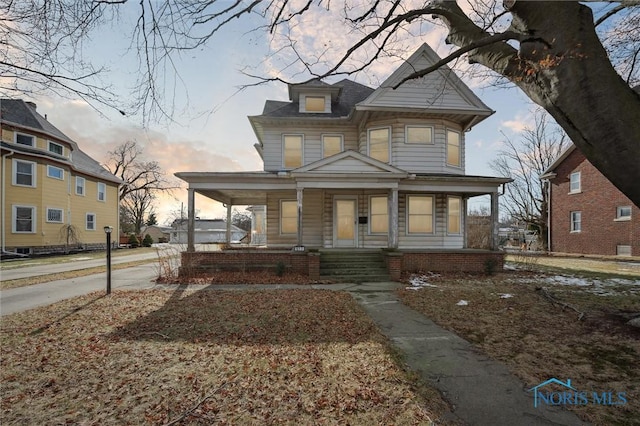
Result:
[81,258]
[510,267]
[506,296]
[559,279]
[419,281]
[462,303]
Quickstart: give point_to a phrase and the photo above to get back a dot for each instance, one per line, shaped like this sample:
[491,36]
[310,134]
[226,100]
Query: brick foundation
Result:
[452,261]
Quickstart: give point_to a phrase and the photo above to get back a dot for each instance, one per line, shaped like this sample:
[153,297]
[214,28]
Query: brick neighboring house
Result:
[588,215]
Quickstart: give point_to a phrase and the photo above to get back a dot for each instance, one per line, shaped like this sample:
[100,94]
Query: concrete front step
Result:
[353,266]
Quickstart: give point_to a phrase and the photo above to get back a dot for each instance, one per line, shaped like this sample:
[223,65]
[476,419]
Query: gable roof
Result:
[350,162]
[440,90]
[550,171]
[23,115]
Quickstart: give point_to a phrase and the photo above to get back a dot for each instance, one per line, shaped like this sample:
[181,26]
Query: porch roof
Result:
[246,188]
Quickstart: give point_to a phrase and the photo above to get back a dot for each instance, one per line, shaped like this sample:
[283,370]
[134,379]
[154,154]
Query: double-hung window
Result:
[419,214]
[623,213]
[91,221]
[379,214]
[574,183]
[24,173]
[292,148]
[576,221]
[80,185]
[454,215]
[24,220]
[102,191]
[453,148]
[314,104]
[288,217]
[331,145]
[380,144]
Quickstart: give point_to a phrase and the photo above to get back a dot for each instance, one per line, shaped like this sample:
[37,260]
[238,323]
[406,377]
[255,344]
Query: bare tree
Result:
[554,51]
[142,180]
[524,160]
[479,226]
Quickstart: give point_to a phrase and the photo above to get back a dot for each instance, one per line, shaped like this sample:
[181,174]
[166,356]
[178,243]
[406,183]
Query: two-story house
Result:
[54,196]
[347,166]
[587,214]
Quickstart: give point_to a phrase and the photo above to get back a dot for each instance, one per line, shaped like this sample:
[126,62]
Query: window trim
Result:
[422,126]
[84,186]
[408,216]
[49,167]
[370,220]
[33,139]
[284,165]
[572,222]
[625,218]
[460,231]
[14,211]
[54,221]
[104,192]
[14,174]
[389,130]
[281,217]
[579,190]
[86,221]
[50,143]
[446,142]
[339,135]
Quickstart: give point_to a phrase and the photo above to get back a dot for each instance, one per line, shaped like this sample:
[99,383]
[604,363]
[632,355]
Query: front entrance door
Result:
[345,220]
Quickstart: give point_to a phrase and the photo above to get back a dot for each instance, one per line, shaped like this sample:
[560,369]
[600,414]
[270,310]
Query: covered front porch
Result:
[417,222]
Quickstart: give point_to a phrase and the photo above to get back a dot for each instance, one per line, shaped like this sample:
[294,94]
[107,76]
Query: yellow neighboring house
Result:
[54,197]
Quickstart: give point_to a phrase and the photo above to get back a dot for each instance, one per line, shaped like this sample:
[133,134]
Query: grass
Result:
[204,357]
[595,267]
[539,337]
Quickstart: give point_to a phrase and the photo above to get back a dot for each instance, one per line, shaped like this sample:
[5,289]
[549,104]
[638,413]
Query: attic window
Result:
[315,104]
[23,139]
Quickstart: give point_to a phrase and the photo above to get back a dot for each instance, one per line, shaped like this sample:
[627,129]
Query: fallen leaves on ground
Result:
[239,277]
[539,339]
[202,357]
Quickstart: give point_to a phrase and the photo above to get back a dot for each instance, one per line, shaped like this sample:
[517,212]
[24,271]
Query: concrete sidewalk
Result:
[481,391]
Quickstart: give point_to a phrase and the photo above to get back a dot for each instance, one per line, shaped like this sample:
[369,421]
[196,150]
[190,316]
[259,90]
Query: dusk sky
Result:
[210,131]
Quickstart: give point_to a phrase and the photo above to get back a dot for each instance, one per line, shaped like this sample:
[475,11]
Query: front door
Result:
[345,222]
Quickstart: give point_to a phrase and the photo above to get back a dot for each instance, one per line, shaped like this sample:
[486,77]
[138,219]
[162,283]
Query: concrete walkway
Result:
[480,391]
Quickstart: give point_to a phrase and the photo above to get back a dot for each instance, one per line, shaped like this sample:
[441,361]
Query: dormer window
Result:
[315,103]
[23,139]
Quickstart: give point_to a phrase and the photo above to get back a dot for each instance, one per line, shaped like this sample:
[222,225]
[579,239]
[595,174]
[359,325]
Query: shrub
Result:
[280,267]
[490,266]
[134,242]
[147,241]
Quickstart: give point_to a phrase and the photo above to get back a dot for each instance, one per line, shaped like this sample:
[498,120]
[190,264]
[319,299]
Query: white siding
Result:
[272,150]
[439,239]
[434,90]
[311,219]
[417,158]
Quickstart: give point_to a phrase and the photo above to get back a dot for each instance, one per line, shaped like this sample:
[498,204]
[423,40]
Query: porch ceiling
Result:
[235,196]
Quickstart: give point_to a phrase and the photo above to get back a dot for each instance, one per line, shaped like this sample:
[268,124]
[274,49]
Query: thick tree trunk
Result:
[562,66]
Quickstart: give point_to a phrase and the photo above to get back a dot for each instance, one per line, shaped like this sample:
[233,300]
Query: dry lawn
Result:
[508,319]
[204,357]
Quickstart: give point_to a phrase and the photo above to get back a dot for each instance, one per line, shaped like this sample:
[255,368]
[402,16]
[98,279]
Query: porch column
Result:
[393,218]
[299,199]
[191,223]
[465,225]
[228,236]
[494,221]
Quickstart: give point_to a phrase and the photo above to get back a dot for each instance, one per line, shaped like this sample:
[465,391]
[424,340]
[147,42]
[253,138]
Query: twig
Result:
[159,334]
[555,301]
[187,413]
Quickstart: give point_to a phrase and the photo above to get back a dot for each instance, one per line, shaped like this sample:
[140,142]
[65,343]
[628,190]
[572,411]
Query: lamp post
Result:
[107,231]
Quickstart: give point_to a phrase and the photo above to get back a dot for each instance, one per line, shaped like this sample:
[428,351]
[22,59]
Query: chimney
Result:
[31,104]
